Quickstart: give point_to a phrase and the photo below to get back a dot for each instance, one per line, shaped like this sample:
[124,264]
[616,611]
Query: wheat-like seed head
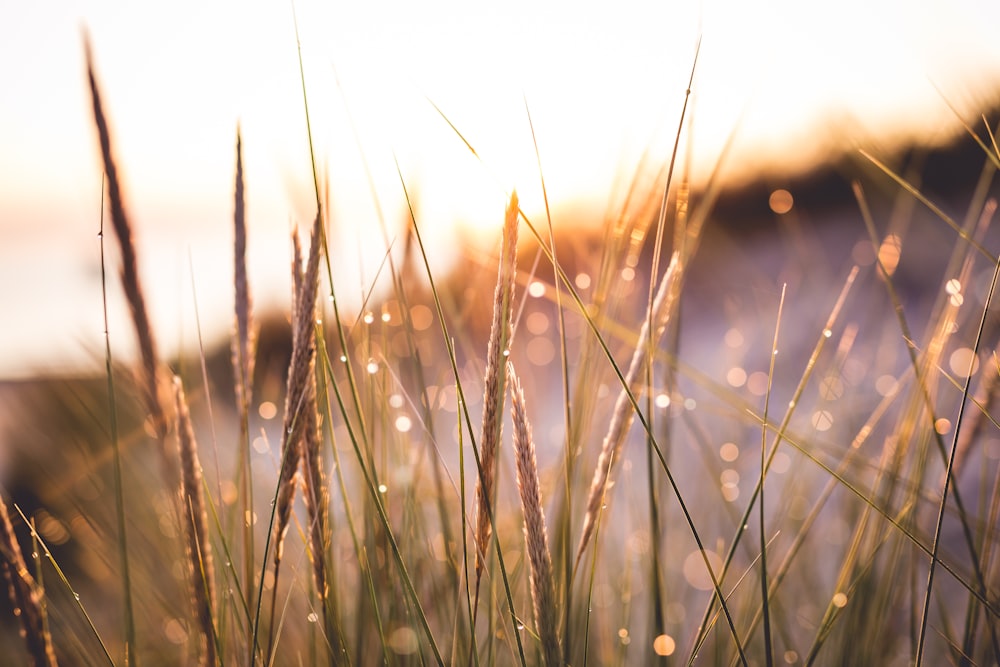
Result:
[243,341]
[535,533]
[131,284]
[623,414]
[493,393]
[301,377]
[195,522]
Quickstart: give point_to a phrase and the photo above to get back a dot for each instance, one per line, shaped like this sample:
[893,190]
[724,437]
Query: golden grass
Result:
[536,538]
[495,391]
[201,569]
[653,327]
[387,566]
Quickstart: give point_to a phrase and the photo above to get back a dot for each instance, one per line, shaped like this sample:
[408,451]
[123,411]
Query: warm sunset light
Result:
[295,371]
[785,82]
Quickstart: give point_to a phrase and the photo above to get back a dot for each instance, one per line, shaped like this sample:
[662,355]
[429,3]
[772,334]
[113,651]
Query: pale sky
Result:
[602,85]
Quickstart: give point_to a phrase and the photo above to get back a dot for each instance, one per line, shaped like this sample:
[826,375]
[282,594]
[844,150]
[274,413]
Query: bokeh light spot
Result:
[781,201]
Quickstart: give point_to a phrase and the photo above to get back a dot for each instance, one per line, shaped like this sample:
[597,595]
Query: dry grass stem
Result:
[535,533]
[25,598]
[301,379]
[623,413]
[494,391]
[199,547]
[129,271]
[243,341]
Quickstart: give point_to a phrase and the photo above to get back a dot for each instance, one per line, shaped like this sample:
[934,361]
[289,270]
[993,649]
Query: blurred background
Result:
[787,87]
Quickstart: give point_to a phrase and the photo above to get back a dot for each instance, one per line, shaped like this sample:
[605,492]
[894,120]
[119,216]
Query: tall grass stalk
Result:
[242,345]
[494,391]
[535,532]
[568,457]
[948,475]
[765,604]
[130,277]
[201,569]
[621,418]
[123,556]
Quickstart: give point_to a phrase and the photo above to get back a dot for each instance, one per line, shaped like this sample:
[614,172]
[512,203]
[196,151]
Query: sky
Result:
[785,82]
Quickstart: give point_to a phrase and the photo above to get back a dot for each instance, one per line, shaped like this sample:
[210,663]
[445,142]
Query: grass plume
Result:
[299,422]
[195,522]
[130,280]
[494,391]
[652,328]
[543,595]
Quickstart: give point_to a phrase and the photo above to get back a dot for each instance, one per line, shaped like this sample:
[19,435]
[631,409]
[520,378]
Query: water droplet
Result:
[827,333]
[312,617]
[76,596]
[382,488]
[343,358]
[520,626]
[34,554]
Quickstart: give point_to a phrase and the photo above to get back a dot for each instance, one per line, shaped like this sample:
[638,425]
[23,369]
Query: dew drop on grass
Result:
[343,358]
[382,488]
[76,596]
[827,333]
[312,617]
[520,626]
